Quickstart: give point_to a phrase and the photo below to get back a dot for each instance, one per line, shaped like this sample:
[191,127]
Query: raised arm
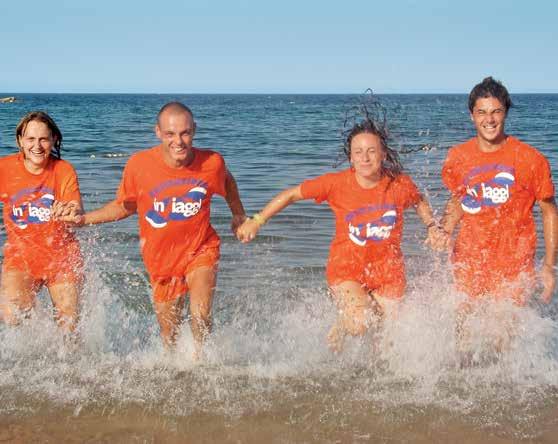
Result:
[550,230]
[250,228]
[232,197]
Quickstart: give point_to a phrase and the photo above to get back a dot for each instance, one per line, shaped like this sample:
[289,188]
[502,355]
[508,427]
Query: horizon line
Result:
[12,93]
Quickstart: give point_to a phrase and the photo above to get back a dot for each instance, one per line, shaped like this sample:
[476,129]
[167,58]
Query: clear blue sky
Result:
[284,46]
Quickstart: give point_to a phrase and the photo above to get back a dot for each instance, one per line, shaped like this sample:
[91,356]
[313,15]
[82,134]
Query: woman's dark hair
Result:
[40,116]
[490,88]
[391,166]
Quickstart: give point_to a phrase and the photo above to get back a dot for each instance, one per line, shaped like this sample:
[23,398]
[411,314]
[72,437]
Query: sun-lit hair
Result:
[40,116]
[490,87]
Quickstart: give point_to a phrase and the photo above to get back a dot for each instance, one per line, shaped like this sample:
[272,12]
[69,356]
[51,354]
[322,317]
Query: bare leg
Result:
[356,312]
[18,291]
[463,335]
[336,336]
[169,315]
[65,299]
[201,282]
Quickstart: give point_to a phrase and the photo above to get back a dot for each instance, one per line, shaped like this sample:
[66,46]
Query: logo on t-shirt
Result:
[491,193]
[371,223]
[27,208]
[176,208]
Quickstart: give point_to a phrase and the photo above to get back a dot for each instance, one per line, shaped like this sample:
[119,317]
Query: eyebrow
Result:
[500,108]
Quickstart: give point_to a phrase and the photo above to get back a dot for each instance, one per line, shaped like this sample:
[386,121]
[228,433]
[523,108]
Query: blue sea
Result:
[268,375]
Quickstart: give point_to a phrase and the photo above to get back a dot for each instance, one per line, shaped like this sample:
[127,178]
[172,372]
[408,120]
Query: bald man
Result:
[170,187]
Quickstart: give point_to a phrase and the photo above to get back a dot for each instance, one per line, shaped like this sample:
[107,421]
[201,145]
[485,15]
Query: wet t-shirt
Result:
[368,227]
[173,206]
[497,191]
[27,200]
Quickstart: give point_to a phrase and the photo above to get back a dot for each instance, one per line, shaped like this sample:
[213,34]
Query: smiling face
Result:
[176,128]
[36,143]
[367,155]
[489,116]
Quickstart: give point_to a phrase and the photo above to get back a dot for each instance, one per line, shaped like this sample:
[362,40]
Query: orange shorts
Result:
[46,269]
[515,285]
[386,278]
[166,289]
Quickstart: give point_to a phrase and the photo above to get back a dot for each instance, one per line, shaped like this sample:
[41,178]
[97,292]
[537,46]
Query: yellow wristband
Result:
[259,219]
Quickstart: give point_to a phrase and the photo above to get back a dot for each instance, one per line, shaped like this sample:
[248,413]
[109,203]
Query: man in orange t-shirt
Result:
[494,180]
[170,187]
[39,250]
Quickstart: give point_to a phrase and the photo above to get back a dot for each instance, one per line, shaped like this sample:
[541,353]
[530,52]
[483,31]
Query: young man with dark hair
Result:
[495,180]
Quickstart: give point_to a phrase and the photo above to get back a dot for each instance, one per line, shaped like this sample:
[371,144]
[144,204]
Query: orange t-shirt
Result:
[173,206]
[368,228]
[27,199]
[497,238]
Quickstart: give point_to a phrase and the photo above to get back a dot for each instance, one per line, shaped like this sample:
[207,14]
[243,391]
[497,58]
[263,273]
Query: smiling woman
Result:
[39,250]
[365,270]
[36,143]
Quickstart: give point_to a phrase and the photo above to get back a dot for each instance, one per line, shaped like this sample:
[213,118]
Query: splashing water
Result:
[268,357]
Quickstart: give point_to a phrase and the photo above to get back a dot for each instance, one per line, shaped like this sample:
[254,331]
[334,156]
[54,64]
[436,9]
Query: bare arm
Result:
[250,228]
[232,197]
[437,237]
[452,215]
[111,212]
[425,212]
[550,230]
[281,201]
[72,212]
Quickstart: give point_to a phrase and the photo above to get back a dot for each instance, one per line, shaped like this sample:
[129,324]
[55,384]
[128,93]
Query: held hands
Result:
[237,221]
[68,212]
[548,279]
[438,238]
[248,230]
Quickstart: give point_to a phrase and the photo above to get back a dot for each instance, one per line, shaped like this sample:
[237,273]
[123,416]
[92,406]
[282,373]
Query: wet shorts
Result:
[46,269]
[479,284]
[387,279]
[167,289]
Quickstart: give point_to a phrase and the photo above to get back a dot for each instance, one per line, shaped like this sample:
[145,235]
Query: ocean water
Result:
[268,375]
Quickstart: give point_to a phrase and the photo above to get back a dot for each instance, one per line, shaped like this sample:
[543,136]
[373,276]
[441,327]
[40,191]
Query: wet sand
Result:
[280,426]
[297,417]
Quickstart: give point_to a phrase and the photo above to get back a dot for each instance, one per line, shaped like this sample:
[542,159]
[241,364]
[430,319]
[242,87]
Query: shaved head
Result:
[174,107]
